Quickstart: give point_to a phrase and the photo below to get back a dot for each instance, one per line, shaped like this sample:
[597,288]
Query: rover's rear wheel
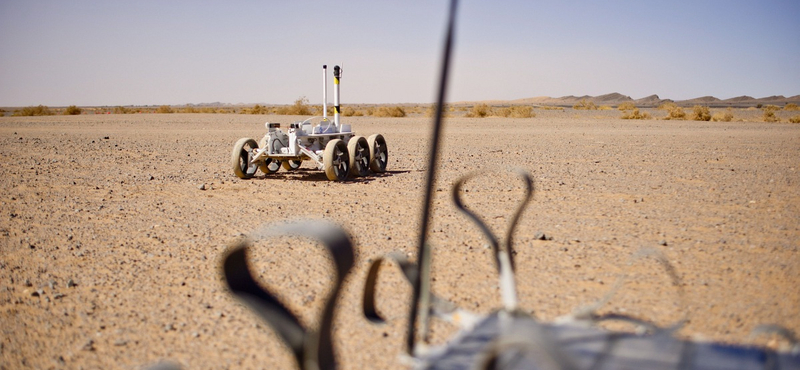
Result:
[379,152]
[336,161]
[291,165]
[360,157]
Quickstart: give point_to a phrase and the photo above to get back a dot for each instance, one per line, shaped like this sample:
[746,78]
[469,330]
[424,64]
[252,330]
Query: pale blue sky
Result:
[92,52]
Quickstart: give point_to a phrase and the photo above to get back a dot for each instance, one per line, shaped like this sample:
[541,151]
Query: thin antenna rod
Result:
[324,91]
[422,252]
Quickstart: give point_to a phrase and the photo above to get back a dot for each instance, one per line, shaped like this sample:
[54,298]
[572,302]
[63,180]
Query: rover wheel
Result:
[360,157]
[240,158]
[379,151]
[291,165]
[269,165]
[336,161]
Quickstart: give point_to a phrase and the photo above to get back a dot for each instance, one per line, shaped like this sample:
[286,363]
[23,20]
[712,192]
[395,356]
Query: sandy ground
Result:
[111,251]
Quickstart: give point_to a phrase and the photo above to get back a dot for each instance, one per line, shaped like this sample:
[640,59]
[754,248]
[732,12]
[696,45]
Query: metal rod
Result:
[337,74]
[422,247]
[324,91]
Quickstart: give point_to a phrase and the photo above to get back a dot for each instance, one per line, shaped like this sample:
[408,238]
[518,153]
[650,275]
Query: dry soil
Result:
[111,247]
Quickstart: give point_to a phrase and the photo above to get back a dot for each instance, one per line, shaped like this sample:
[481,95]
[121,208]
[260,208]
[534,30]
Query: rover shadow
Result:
[314,175]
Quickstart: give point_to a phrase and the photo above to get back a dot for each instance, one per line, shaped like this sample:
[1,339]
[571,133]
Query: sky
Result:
[108,52]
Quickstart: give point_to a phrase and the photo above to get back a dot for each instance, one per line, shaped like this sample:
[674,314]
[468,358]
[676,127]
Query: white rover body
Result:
[333,146]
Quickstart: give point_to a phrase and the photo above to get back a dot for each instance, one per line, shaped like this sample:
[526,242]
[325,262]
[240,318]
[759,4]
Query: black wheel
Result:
[269,165]
[241,156]
[360,157]
[379,151]
[291,165]
[336,161]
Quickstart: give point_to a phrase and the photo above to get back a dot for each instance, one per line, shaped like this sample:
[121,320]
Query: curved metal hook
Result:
[508,242]
[313,350]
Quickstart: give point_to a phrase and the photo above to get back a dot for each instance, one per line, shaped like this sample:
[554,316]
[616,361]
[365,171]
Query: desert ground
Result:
[113,227]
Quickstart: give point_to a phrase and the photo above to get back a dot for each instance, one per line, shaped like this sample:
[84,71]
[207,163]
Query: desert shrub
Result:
[256,109]
[189,110]
[791,106]
[585,105]
[551,107]
[700,113]
[674,112]
[349,112]
[389,112]
[72,111]
[626,106]
[431,111]
[480,111]
[795,119]
[769,113]
[2,112]
[121,110]
[164,109]
[516,111]
[635,114]
[725,116]
[299,108]
[40,110]
[604,107]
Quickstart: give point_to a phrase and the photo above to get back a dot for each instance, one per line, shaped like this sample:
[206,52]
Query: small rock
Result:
[28,282]
[37,293]
[120,342]
[152,178]
[195,334]
[169,327]
[202,186]
[89,345]
[58,296]
[663,243]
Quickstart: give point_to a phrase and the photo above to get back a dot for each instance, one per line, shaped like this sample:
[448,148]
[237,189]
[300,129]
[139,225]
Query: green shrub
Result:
[769,113]
[40,110]
[791,106]
[726,116]
[480,111]
[700,113]
[72,111]
[585,105]
[390,112]
[635,114]
[164,109]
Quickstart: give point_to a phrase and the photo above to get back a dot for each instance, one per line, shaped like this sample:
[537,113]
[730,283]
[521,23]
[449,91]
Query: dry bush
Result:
[673,111]
[795,119]
[791,106]
[725,116]
[349,112]
[122,110]
[635,114]
[73,110]
[585,105]
[431,111]
[516,111]
[480,111]
[604,107]
[256,109]
[163,109]
[769,113]
[299,108]
[40,110]
[389,112]
[700,113]
[551,107]
[628,105]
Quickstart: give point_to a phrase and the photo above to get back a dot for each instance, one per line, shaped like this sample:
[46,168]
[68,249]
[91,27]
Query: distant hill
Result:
[652,101]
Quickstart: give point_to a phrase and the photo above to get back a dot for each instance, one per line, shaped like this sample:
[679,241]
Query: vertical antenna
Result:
[337,74]
[324,91]
[422,282]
